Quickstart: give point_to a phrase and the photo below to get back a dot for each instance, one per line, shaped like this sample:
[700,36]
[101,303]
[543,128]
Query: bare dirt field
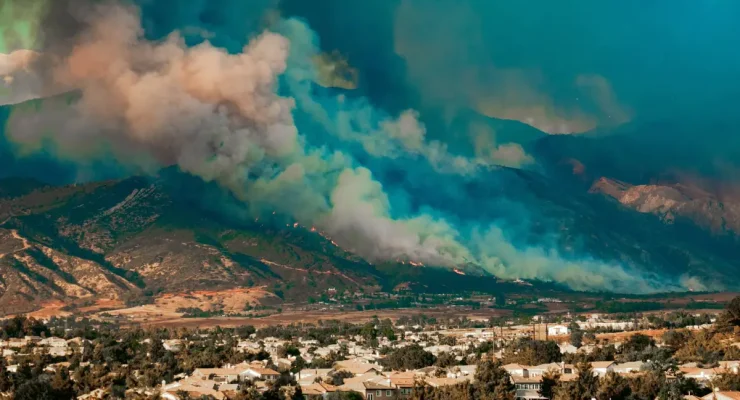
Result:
[50,309]
[166,306]
[291,317]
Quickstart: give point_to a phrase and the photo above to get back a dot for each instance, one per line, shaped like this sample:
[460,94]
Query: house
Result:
[15,343]
[357,368]
[173,345]
[527,388]
[558,330]
[700,374]
[541,369]
[600,368]
[227,374]
[308,376]
[567,348]
[194,387]
[439,382]
[628,367]
[53,342]
[517,370]
[54,367]
[317,391]
[731,366]
[58,351]
[462,371]
[263,374]
[32,339]
[404,382]
[246,346]
[722,395]
[371,390]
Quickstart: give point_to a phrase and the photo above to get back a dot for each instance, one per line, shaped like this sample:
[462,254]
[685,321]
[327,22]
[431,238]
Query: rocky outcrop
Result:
[671,201]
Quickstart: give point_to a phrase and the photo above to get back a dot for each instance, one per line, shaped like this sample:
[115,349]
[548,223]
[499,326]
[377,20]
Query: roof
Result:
[437,382]
[514,366]
[403,379]
[403,382]
[545,367]
[318,388]
[315,371]
[264,371]
[699,371]
[631,364]
[728,394]
[531,379]
[370,385]
[194,388]
[601,364]
[217,371]
[356,367]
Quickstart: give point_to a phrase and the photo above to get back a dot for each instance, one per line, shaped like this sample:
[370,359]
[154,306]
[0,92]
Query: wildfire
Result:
[313,229]
[416,264]
[295,225]
[457,271]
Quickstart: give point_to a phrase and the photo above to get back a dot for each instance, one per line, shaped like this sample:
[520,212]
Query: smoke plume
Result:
[275,120]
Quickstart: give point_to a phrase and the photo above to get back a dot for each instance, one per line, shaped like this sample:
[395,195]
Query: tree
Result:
[409,357]
[5,382]
[576,334]
[637,343]
[492,381]
[288,350]
[727,381]
[344,396]
[445,360]
[298,364]
[730,319]
[584,386]
[35,389]
[613,386]
[338,377]
[576,338]
[62,385]
[156,349]
[244,331]
[647,386]
[527,351]
[675,339]
[734,310]
[549,382]
[500,300]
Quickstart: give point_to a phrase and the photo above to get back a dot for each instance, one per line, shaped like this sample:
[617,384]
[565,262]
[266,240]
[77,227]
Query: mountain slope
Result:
[130,238]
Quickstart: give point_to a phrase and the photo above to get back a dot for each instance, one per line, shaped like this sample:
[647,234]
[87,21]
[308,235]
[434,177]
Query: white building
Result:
[567,348]
[600,368]
[628,367]
[558,330]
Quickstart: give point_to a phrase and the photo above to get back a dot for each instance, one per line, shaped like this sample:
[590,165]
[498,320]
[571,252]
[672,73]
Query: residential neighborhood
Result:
[380,359]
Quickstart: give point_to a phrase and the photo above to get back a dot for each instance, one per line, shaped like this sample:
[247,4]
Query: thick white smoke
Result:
[219,116]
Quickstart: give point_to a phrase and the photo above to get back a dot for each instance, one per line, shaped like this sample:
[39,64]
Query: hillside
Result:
[129,240]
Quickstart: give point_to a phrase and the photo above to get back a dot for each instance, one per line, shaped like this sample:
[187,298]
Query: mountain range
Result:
[142,236]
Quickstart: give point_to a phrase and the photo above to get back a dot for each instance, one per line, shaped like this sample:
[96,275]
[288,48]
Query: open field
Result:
[50,309]
[291,317]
